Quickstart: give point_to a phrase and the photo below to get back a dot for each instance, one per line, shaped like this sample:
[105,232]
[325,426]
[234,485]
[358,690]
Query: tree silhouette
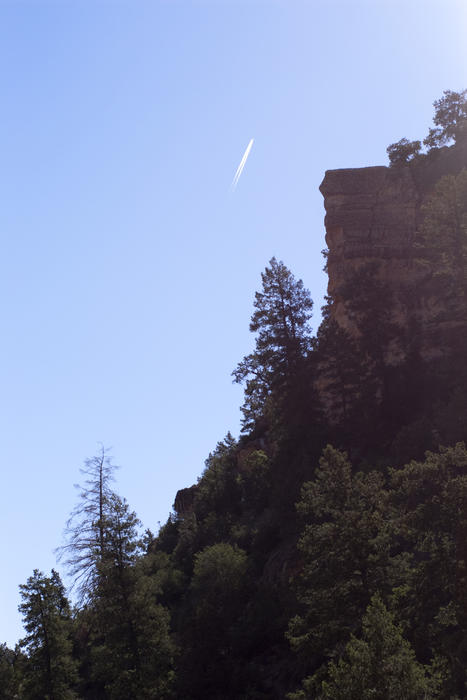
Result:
[280,320]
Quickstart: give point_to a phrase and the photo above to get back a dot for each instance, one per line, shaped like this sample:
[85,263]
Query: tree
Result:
[283,310]
[380,665]
[86,530]
[450,126]
[450,119]
[341,371]
[130,646]
[9,682]
[213,630]
[443,242]
[430,523]
[345,554]
[50,670]
[217,496]
[403,151]
[357,361]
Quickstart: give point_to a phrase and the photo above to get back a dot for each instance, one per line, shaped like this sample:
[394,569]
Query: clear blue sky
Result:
[128,268]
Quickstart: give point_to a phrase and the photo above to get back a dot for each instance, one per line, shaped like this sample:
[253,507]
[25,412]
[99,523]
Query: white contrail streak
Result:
[242,165]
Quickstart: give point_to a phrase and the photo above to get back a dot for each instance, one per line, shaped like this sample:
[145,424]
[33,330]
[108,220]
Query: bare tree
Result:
[86,530]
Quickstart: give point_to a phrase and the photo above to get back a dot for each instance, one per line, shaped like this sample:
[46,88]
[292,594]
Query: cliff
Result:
[373,217]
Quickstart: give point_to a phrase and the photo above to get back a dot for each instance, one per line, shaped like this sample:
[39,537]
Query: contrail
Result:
[242,165]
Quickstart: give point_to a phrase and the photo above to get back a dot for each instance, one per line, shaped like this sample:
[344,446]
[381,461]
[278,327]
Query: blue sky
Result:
[128,267]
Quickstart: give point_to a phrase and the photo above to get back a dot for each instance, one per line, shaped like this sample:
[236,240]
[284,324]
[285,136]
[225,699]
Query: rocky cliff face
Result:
[373,216]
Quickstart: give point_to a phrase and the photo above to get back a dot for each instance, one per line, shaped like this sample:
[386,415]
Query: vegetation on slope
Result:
[293,568]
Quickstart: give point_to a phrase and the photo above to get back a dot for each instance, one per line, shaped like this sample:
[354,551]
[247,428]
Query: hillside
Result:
[322,554]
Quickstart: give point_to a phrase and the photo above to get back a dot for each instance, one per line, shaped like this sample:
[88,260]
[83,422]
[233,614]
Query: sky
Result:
[129,264]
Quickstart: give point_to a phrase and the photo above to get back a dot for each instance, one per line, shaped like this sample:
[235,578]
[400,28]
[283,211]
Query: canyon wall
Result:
[373,217]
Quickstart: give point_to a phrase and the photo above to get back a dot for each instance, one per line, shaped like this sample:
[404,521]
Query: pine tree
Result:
[431,524]
[380,665]
[9,681]
[131,649]
[283,309]
[344,549]
[341,372]
[50,670]
[212,663]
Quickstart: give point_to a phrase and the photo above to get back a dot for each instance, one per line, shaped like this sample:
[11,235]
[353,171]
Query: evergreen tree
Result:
[213,631]
[131,649]
[50,671]
[9,680]
[345,553]
[341,373]
[216,502]
[381,665]
[283,309]
[430,524]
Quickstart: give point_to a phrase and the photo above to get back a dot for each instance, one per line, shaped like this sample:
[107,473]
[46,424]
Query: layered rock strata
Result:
[373,217]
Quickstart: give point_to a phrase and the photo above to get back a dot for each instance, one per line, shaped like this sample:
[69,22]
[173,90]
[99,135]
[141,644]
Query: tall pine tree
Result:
[280,320]
[50,671]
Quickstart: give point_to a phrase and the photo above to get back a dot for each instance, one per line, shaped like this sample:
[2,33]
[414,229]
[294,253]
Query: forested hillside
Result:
[323,552]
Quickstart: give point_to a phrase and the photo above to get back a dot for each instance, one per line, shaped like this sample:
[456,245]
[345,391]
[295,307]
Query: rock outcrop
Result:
[373,216]
[184,499]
